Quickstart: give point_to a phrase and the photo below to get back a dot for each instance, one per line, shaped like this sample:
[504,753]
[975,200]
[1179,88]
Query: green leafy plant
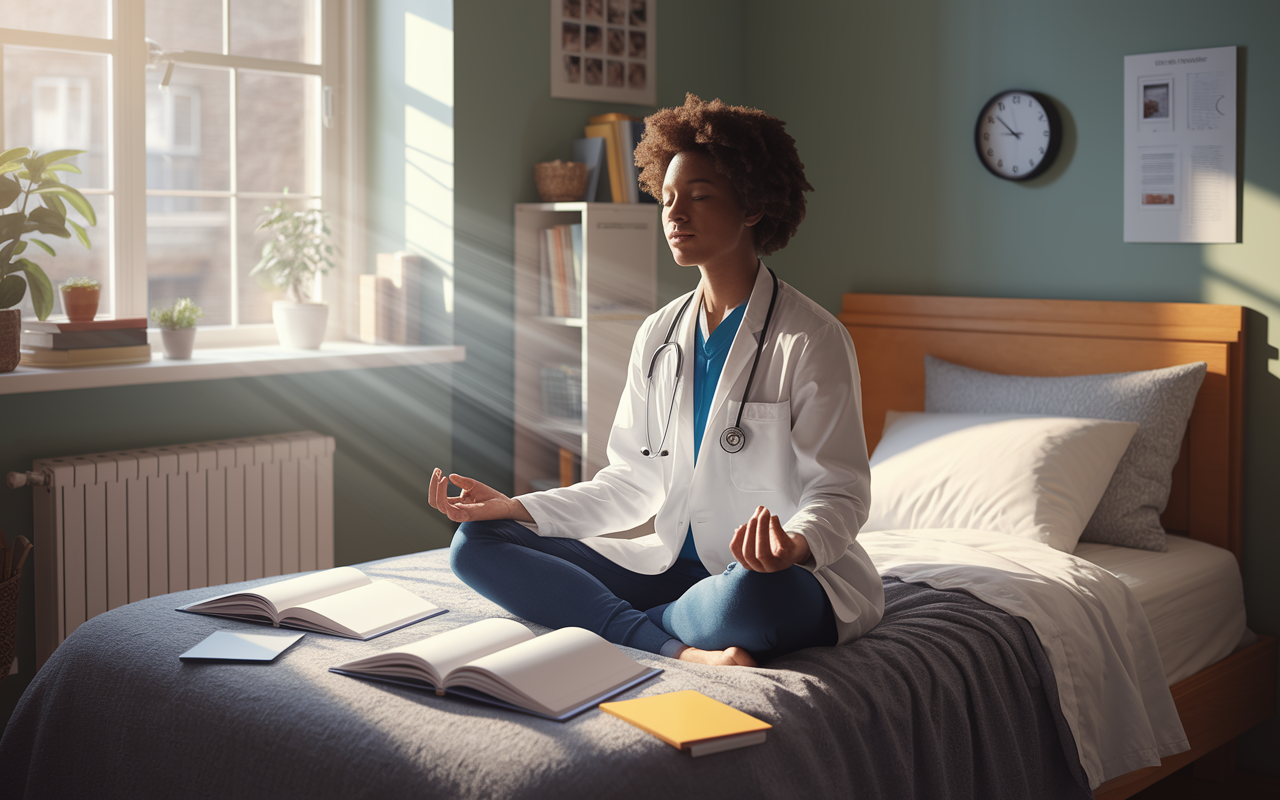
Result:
[182,314]
[298,249]
[80,283]
[40,172]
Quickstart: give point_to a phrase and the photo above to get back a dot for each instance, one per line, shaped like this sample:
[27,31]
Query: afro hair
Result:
[748,146]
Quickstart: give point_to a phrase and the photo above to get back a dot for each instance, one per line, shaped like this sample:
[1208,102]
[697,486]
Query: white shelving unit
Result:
[619,289]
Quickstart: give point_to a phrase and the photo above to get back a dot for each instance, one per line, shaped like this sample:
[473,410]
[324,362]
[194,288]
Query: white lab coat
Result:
[805,457]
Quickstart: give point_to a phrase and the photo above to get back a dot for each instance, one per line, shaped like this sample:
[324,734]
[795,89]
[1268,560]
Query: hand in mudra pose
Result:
[761,545]
[476,503]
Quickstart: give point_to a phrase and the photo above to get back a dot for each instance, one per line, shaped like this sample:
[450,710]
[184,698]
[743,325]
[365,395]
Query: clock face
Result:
[1018,134]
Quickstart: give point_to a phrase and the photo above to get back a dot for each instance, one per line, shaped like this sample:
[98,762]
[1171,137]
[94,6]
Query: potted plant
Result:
[18,219]
[177,325]
[298,249]
[80,298]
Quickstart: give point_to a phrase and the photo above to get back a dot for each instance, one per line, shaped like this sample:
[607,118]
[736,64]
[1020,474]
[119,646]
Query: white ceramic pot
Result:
[300,326]
[178,342]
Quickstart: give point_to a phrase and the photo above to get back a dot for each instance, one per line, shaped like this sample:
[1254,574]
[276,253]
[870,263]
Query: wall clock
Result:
[1018,134]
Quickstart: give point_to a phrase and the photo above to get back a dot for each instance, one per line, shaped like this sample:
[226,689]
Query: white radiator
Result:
[112,528]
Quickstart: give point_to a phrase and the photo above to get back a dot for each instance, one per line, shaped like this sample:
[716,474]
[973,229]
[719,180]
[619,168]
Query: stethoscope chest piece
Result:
[732,439]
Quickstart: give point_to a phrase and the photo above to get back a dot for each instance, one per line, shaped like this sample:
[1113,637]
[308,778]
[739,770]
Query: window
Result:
[189,138]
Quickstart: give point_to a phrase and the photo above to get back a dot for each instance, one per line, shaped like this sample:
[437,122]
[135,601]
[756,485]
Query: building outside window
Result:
[196,114]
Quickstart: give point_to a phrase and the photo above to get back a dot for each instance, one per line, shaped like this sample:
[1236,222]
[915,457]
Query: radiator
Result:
[113,528]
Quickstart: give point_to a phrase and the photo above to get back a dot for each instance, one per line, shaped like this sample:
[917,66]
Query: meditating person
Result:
[739,432]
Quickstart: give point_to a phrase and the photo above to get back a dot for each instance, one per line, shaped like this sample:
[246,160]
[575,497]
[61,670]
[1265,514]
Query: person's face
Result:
[703,222]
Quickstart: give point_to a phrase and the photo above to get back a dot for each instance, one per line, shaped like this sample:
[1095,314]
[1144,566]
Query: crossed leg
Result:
[562,582]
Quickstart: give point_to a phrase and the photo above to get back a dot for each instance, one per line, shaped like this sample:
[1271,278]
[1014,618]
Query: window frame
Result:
[342,192]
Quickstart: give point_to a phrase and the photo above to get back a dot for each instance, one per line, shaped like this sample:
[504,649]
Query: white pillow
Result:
[1034,477]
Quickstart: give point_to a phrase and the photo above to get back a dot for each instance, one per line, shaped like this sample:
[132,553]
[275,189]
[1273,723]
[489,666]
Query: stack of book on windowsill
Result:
[62,343]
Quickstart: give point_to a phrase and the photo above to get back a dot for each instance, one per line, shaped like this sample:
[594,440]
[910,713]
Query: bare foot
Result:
[732,657]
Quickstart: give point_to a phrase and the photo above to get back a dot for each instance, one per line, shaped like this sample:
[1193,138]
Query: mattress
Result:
[1192,594]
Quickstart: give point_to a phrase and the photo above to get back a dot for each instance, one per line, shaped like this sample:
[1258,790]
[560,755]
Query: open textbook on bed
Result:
[341,601]
[500,661]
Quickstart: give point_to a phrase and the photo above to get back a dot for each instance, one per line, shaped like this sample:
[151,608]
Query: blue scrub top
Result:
[710,355]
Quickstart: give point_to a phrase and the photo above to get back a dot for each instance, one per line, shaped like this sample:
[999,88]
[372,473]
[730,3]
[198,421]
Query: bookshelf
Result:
[617,290]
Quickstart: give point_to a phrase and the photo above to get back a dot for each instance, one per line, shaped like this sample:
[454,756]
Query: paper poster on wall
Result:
[604,50]
[1180,147]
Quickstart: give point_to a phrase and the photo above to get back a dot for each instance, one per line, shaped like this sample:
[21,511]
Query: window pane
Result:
[189,133]
[73,17]
[255,300]
[72,259]
[189,255]
[277,132]
[55,100]
[283,29]
[185,25]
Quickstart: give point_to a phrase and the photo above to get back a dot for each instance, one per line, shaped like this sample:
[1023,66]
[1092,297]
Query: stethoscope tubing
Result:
[733,438]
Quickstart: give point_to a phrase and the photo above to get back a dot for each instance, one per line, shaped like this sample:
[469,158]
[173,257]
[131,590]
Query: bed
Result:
[951,695]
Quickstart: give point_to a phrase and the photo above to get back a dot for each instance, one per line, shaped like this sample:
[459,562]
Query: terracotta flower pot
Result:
[10,338]
[80,303]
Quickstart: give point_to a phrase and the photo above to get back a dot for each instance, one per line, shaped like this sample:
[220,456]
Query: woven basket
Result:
[10,338]
[8,622]
[560,181]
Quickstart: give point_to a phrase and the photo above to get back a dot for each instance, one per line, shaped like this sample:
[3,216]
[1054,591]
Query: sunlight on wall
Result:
[428,146]
[1248,274]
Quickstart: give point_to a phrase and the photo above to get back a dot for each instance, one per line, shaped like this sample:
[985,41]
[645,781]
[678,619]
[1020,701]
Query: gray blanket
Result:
[947,697]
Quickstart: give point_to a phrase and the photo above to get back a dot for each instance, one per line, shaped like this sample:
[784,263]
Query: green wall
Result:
[882,100]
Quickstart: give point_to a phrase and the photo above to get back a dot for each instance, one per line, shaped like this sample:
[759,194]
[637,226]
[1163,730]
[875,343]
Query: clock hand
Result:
[1011,130]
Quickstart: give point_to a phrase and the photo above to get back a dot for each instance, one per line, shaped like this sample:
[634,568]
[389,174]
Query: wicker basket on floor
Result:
[9,595]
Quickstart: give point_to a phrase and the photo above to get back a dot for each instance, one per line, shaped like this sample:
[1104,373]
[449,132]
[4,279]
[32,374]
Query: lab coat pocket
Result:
[764,462]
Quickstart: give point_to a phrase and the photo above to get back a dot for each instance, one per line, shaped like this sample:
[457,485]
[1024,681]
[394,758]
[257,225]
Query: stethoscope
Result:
[733,438]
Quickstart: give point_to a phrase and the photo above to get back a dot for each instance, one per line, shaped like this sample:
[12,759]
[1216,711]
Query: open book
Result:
[341,601]
[500,661]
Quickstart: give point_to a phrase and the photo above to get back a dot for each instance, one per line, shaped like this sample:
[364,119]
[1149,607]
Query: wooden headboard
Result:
[892,334]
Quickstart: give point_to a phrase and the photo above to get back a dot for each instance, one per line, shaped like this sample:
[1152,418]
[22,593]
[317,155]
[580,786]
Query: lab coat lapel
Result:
[741,353]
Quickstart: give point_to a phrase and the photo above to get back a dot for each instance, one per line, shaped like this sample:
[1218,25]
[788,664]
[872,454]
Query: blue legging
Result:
[562,582]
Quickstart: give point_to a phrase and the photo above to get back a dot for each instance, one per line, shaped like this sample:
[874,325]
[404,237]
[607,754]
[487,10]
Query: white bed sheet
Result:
[1111,685]
[1193,597]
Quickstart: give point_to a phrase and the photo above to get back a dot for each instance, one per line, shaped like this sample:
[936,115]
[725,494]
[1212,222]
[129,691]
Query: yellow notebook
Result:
[691,721]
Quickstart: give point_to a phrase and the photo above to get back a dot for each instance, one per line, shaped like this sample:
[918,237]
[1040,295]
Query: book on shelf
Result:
[499,661]
[64,325]
[118,337]
[622,133]
[342,602]
[560,268]
[590,151]
[612,156]
[85,357]
[691,721]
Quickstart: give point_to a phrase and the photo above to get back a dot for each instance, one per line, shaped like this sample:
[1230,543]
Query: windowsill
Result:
[232,362]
